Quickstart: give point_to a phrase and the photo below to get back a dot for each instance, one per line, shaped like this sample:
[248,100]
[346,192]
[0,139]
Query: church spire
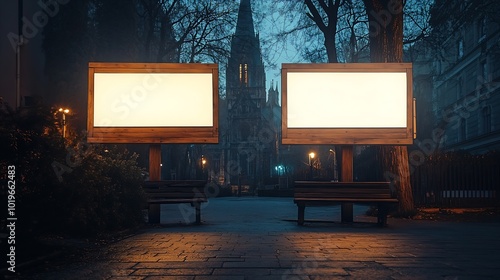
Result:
[244,26]
[245,66]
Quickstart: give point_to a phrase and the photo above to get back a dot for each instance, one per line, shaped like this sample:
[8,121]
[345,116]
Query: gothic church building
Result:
[251,125]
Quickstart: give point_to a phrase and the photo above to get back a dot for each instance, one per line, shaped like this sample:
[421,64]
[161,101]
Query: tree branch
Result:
[315,16]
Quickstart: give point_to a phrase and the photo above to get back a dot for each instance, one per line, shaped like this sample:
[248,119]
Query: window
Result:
[486,118]
[460,48]
[244,74]
[241,72]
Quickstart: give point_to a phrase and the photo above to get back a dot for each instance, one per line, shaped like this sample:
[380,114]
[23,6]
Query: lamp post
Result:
[64,112]
[311,157]
[334,155]
[203,162]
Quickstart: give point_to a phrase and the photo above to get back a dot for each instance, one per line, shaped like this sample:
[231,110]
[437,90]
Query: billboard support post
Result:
[154,175]
[347,176]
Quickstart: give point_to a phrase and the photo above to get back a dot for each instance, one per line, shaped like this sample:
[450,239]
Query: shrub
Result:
[66,186]
[103,191]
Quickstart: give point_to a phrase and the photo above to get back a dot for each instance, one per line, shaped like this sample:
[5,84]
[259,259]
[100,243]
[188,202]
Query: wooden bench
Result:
[316,193]
[174,192]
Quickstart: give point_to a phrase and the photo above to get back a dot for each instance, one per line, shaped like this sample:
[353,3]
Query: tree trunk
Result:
[386,45]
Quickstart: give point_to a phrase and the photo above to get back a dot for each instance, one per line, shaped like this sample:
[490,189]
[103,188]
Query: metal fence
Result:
[457,180]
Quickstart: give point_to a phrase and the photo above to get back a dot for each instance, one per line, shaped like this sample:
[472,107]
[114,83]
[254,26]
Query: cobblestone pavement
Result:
[257,238]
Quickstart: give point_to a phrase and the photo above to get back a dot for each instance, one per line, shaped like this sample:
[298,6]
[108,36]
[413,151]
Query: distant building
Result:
[251,122]
[464,61]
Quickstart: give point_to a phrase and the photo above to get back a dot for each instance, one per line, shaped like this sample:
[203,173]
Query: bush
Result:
[66,186]
[103,191]
[30,141]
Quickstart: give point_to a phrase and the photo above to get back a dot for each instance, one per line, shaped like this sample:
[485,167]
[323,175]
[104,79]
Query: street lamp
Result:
[311,157]
[203,163]
[334,155]
[64,112]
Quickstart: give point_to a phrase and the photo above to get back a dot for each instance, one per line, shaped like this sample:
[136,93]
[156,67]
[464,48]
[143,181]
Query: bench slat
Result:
[175,190]
[340,199]
[364,196]
[173,196]
[189,183]
[176,201]
[344,192]
[333,184]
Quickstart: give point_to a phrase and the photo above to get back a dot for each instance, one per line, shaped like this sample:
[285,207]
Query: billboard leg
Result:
[154,162]
[154,175]
[347,176]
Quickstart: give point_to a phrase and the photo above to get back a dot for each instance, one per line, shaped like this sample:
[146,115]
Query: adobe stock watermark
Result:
[250,149]
[256,143]
[210,190]
[123,105]
[32,27]
[451,117]
[11,218]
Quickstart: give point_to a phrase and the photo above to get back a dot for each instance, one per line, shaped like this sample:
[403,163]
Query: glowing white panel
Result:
[153,100]
[346,100]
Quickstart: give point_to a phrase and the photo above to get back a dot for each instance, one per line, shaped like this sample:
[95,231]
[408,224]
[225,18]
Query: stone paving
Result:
[257,238]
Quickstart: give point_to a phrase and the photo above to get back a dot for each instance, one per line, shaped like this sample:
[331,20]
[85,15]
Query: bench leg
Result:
[382,215]
[346,215]
[198,213]
[301,209]
[154,214]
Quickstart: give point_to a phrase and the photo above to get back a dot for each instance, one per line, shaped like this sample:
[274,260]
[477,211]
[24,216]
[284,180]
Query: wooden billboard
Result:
[152,103]
[347,103]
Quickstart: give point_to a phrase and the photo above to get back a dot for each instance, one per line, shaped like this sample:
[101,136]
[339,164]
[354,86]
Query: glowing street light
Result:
[64,111]
[311,157]
[203,163]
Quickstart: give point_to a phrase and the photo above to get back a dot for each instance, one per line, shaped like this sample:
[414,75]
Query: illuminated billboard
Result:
[153,103]
[338,103]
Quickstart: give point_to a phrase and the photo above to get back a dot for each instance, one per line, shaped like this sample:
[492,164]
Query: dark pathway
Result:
[255,238]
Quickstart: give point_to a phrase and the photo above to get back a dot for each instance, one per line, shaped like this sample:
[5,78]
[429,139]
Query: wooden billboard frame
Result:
[153,134]
[348,135]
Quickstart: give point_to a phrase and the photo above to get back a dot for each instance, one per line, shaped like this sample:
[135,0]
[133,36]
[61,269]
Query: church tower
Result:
[250,135]
[245,69]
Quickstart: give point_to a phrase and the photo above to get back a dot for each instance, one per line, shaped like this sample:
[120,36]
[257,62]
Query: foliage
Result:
[30,141]
[102,192]
[66,186]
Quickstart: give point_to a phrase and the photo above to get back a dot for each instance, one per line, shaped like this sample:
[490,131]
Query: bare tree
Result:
[327,23]
[295,23]
[186,30]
